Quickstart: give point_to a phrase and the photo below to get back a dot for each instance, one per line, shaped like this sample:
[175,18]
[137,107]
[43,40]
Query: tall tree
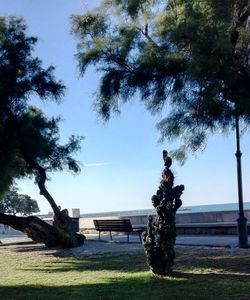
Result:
[193,55]
[29,141]
[187,59]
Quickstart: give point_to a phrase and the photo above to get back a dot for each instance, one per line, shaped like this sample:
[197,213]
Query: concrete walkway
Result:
[230,241]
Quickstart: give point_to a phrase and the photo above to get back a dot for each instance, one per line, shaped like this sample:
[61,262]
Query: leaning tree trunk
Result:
[60,234]
[62,221]
[42,232]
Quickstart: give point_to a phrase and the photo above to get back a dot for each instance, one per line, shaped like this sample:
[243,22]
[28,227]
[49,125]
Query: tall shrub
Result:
[159,239]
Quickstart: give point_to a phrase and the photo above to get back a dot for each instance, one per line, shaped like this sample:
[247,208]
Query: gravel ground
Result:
[93,246]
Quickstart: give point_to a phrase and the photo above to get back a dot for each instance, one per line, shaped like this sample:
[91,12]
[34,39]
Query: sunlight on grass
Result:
[38,275]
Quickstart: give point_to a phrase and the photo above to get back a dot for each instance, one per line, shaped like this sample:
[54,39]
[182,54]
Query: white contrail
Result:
[96,164]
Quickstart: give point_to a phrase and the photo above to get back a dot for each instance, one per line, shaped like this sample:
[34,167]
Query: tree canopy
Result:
[186,59]
[29,141]
[14,203]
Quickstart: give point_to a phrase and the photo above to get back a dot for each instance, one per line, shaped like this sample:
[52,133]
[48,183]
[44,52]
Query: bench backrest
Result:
[122,225]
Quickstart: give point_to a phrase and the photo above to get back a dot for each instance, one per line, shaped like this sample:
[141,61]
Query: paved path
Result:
[208,240]
[192,240]
[93,246]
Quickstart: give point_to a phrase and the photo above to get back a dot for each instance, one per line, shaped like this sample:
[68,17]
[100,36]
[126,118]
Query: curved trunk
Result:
[42,232]
[33,164]
[41,183]
[61,218]
[60,233]
[62,222]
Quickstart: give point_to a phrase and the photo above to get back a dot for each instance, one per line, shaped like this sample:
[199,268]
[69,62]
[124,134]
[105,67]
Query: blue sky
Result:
[121,160]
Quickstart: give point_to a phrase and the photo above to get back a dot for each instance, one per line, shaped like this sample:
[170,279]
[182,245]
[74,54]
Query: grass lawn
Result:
[200,274]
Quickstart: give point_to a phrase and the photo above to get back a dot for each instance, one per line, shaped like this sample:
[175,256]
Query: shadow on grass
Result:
[144,287]
[28,247]
[25,246]
[233,264]
[124,263]
[222,268]
[215,262]
[200,275]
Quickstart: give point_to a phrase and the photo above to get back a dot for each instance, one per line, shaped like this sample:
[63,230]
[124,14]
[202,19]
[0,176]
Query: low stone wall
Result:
[186,218]
[210,217]
[209,229]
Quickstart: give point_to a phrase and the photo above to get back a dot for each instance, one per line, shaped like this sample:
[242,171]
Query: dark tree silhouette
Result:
[159,239]
[29,142]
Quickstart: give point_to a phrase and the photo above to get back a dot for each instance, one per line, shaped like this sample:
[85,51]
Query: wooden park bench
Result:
[116,225]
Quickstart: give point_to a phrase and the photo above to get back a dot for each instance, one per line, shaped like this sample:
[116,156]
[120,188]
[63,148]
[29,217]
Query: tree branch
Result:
[34,165]
[146,35]
[122,64]
[41,183]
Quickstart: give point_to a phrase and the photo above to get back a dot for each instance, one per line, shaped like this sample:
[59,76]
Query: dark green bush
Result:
[159,239]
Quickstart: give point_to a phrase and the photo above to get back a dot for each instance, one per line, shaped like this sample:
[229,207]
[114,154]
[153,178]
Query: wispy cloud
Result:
[97,164]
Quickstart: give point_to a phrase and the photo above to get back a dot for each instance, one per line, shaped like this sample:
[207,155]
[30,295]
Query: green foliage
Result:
[14,203]
[21,74]
[159,239]
[26,135]
[193,55]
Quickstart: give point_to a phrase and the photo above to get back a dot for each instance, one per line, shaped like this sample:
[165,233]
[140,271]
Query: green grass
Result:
[200,274]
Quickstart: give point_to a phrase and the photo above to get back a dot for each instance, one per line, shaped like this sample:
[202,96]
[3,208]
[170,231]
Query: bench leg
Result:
[128,236]
[110,235]
[99,235]
[139,235]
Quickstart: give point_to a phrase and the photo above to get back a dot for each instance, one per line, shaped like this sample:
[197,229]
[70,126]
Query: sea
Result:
[182,210]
